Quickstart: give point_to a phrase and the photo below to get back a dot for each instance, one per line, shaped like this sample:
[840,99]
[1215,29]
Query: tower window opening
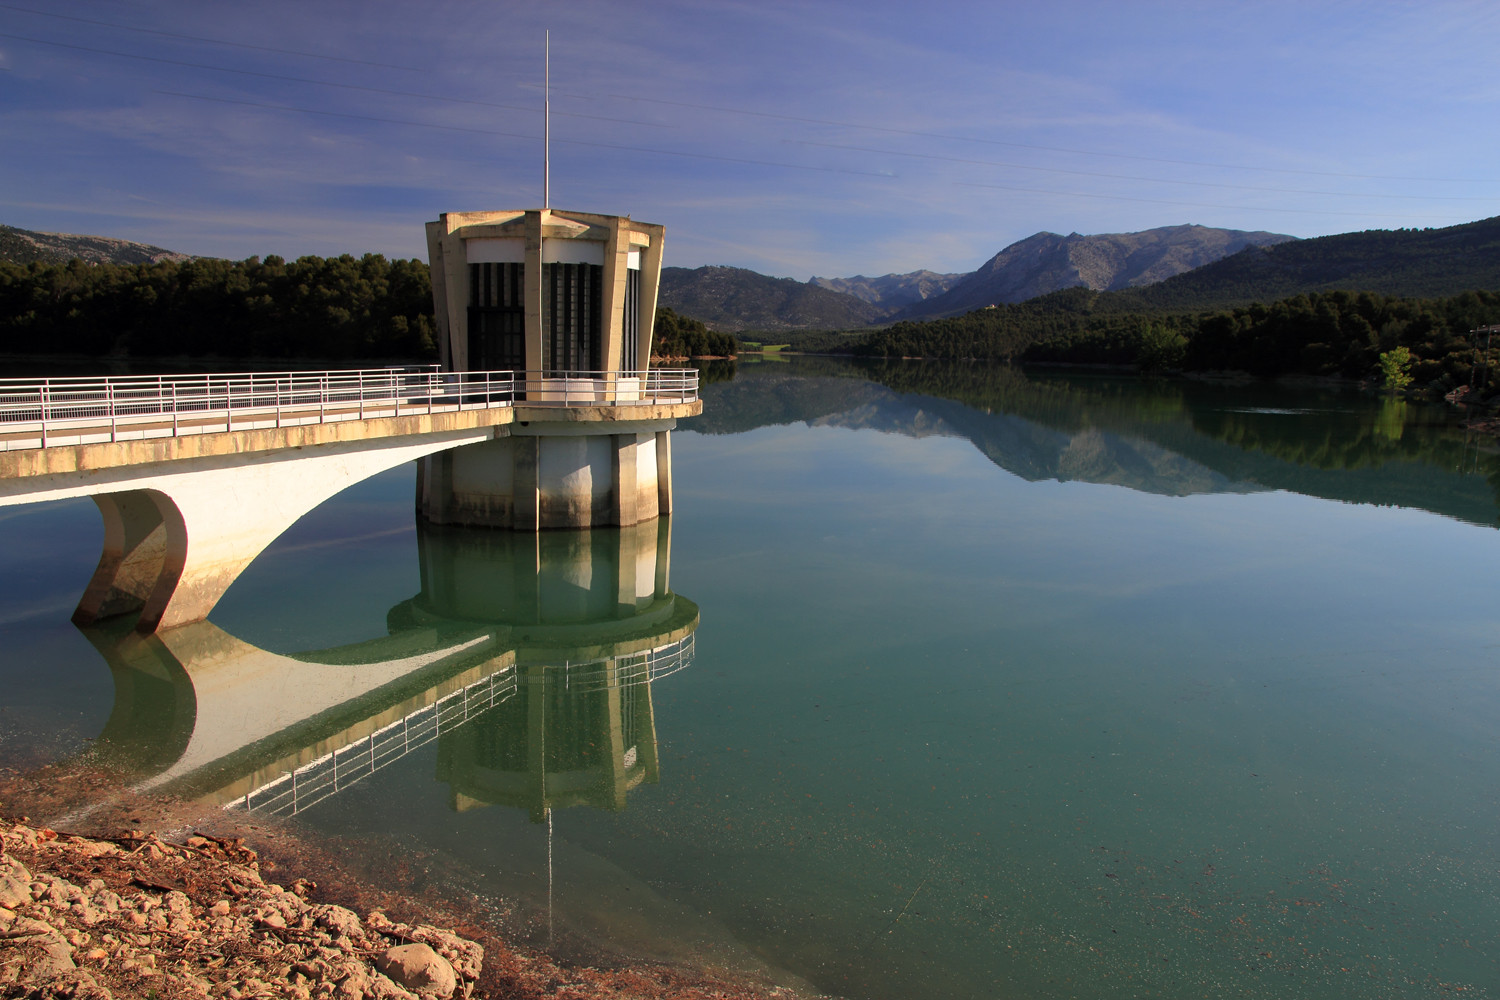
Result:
[572,297]
[631,341]
[497,317]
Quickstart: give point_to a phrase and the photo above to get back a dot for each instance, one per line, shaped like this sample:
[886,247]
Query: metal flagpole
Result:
[549,874]
[546,118]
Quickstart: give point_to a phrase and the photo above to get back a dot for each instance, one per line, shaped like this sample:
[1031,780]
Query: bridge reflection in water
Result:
[528,658]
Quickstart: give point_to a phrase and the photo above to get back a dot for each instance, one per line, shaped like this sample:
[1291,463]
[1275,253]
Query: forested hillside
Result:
[1321,334]
[336,307]
[1323,307]
[734,299]
[677,336]
[1420,263]
[313,307]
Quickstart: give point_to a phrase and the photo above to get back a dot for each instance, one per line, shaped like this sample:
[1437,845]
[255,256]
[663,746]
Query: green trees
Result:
[313,307]
[336,308]
[1395,369]
[677,336]
[1343,334]
[1161,348]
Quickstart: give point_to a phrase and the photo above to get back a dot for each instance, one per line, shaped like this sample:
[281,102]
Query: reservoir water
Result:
[940,681]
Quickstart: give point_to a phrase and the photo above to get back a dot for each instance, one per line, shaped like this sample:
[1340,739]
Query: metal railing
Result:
[331,773]
[630,668]
[43,412]
[311,783]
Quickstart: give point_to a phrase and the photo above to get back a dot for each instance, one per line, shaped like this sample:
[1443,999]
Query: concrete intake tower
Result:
[568,299]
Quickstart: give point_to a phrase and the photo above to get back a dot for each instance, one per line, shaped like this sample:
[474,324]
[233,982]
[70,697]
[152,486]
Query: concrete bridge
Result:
[196,475]
[549,642]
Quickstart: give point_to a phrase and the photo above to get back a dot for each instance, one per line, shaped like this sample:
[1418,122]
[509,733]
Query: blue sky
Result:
[792,138]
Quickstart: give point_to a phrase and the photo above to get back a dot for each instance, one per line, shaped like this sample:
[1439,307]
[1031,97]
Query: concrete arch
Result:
[175,541]
[155,710]
[201,712]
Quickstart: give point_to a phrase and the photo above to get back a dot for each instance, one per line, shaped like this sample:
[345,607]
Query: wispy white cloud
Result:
[1386,90]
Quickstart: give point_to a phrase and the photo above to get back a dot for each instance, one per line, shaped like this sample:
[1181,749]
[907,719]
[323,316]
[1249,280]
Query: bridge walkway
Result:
[194,475]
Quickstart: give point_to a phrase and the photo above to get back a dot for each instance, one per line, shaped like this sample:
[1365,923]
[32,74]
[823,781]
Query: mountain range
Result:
[891,290]
[1172,268]
[734,299]
[1419,263]
[24,246]
[1108,262]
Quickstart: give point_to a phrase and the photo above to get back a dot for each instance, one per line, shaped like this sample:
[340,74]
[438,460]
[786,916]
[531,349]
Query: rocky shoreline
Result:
[138,915]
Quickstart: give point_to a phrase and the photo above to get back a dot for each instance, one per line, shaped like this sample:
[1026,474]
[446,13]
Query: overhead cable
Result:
[210,41]
[319,83]
[516,135]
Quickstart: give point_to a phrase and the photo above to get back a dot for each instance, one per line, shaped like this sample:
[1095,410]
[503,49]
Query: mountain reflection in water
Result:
[1173,438]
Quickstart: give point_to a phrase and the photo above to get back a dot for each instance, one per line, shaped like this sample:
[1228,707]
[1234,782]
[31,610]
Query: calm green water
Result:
[1002,687]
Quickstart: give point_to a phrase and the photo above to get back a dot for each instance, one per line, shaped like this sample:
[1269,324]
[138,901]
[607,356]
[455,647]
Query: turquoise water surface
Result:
[984,686]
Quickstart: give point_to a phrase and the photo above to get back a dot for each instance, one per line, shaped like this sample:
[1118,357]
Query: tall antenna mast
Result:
[546,118]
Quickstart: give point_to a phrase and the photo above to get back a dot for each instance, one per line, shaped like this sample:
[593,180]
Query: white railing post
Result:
[109,394]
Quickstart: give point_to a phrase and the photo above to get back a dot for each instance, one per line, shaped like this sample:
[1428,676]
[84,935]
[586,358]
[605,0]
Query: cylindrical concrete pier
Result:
[558,475]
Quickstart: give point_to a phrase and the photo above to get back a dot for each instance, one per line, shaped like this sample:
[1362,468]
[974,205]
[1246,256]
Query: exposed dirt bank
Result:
[113,911]
[139,916]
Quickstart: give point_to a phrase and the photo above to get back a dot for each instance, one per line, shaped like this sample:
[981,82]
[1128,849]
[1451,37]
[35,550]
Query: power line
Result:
[1192,204]
[343,114]
[1130,177]
[319,83]
[1020,145]
[517,135]
[211,41]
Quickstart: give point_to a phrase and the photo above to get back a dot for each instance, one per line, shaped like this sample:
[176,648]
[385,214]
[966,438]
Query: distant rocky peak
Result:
[1046,262]
[891,291]
[23,246]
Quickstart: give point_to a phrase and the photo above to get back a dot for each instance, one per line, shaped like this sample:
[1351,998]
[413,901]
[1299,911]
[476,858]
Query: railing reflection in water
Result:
[315,781]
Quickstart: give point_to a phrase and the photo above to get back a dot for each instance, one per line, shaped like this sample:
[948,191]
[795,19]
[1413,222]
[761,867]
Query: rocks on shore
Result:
[96,919]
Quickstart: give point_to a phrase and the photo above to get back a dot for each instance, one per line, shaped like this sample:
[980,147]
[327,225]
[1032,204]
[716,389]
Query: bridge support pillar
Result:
[552,475]
[664,471]
[135,545]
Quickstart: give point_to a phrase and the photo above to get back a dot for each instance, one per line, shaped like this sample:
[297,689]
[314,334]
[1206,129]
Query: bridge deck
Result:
[44,413]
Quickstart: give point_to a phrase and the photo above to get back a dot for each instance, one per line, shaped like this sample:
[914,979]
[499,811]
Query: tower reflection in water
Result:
[593,622]
[528,658]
